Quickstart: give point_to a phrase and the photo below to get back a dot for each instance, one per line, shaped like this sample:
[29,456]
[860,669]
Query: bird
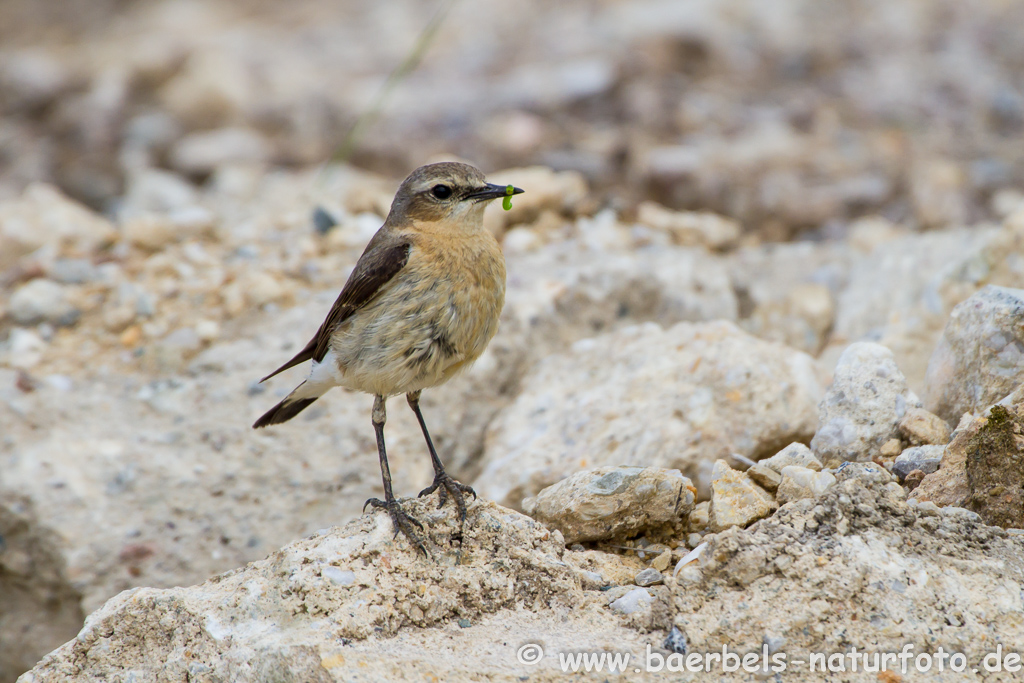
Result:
[422,303]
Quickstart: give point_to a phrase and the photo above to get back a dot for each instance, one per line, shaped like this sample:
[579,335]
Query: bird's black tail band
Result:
[283,411]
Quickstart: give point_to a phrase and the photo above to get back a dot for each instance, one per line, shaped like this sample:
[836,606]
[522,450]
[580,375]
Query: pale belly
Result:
[414,336]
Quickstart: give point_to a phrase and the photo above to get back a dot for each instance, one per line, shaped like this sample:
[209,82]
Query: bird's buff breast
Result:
[434,319]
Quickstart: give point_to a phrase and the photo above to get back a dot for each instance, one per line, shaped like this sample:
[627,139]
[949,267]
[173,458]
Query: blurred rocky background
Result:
[759,240]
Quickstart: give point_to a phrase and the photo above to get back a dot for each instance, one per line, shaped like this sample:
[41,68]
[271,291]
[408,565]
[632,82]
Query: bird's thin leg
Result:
[402,521]
[442,479]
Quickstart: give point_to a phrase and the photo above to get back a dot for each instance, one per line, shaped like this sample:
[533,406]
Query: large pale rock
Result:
[679,398]
[863,406]
[856,565]
[735,499]
[614,503]
[980,358]
[297,610]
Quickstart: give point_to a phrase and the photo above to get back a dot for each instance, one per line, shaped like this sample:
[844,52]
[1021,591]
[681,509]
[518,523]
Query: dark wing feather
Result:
[383,258]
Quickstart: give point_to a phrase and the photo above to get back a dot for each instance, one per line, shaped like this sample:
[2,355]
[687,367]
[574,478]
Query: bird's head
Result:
[445,192]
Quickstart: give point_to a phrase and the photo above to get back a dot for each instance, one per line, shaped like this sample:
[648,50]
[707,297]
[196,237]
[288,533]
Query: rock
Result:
[42,609]
[735,499]
[636,600]
[948,485]
[614,503]
[995,469]
[691,228]
[155,231]
[24,350]
[794,454]
[73,271]
[698,519]
[351,582]
[801,318]
[42,216]
[42,300]
[920,428]
[648,577]
[153,190]
[800,482]
[203,152]
[850,566]
[662,561]
[677,398]
[924,458]
[764,476]
[863,406]
[901,294]
[913,479]
[980,358]
[891,448]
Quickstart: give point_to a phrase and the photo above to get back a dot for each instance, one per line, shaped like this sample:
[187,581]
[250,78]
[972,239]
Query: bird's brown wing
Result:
[383,258]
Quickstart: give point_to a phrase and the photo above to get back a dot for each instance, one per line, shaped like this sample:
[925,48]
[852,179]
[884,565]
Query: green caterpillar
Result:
[506,202]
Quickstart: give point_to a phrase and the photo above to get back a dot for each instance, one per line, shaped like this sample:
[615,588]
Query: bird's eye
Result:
[441,191]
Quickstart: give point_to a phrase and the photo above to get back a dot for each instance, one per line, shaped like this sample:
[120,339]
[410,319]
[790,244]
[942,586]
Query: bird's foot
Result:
[447,485]
[401,520]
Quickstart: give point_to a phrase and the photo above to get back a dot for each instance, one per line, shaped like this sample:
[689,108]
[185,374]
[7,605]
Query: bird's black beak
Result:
[491,191]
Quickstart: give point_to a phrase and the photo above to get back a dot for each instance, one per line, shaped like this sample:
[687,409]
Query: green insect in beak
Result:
[506,202]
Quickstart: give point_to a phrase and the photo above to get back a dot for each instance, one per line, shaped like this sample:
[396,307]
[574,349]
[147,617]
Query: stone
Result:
[995,469]
[691,228]
[614,503]
[42,300]
[948,485]
[800,482]
[764,476]
[793,454]
[924,458]
[662,561]
[913,479]
[24,349]
[636,600]
[648,577]
[42,608]
[891,448]
[678,398]
[43,216]
[863,406]
[735,499]
[698,519]
[203,152]
[980,357]
[920,428]
[851,566]
[902,293]
[355,582]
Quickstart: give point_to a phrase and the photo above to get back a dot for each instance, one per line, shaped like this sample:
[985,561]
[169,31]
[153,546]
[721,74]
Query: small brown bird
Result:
[421,304]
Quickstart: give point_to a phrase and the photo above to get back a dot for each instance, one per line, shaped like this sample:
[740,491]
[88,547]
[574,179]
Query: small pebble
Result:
[676,641]
[662,561]
[634,601]
[648,577]
[465,623]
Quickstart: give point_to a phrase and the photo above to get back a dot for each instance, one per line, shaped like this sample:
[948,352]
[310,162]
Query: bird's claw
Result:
[401,519]
[446,485]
